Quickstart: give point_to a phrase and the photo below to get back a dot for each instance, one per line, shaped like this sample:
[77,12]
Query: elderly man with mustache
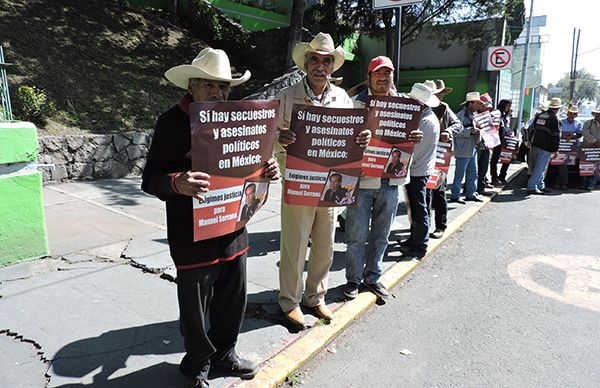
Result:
[318,59]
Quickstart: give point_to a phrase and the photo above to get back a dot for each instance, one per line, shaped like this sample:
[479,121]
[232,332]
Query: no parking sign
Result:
[499,58]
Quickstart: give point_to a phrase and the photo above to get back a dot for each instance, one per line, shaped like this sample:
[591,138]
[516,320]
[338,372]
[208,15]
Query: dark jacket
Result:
[545,131]
[169,153]
[504,130]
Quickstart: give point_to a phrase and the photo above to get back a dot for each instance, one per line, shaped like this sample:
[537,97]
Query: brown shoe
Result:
[295,316]
[322,311]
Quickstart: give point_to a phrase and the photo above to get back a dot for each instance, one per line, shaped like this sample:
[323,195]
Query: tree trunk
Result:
[474,69]
[389,33]
[295,32]
[173,10]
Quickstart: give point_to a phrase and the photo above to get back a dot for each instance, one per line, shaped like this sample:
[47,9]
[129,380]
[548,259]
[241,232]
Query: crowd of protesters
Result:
[211,273]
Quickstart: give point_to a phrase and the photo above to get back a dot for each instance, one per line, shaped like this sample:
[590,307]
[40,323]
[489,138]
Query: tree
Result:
[586,87]
[295,32]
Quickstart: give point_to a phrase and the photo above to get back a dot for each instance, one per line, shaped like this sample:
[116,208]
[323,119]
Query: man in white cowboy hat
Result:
[465,143]
[449,124]
[369,220]
[422,166]
[571,129]
[211,274]
[318,59]
[591,138]
[544,136]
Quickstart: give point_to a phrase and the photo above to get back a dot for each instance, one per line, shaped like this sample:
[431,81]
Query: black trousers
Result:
[483,161]
[494,164]
[416,195]
[212,303]
[436,200]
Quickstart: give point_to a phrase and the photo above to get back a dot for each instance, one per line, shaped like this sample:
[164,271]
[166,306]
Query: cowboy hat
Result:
[442,86]
[573,109]
[432,86]
[321,44]
[555,103]
[596,110]
[210,64]
[422,93]
[472,96]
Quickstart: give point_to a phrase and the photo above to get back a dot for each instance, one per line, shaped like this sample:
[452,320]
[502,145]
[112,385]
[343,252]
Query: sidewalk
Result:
[102,310]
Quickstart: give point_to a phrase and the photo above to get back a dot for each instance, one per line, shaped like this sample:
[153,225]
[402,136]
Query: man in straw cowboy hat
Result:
[591,138]
[465,143]
[368,222]
[544,136]
[211,274]
[318,59]
[423,163]
[571,129]
[449,124]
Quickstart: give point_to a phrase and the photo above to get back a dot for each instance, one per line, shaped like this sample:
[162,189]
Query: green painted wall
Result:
[18,142]
[456,78]
[22,223]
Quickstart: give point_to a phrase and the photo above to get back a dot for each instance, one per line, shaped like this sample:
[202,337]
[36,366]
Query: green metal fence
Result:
[5,108]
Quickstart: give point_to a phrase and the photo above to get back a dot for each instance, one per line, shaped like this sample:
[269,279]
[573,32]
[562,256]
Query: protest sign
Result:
[442,164]
[567,151]
[323,164]
[589,161]
[509,150]
[391,120]
[487,122]
[231,141]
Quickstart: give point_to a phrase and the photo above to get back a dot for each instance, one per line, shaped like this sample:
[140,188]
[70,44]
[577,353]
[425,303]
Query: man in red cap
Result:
[377,202]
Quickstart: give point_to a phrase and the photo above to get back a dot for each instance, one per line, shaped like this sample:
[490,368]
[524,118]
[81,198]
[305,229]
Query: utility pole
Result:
[574,55]
[524,72]
[398,42]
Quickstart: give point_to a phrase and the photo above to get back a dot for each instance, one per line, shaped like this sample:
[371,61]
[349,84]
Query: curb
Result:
[275,371]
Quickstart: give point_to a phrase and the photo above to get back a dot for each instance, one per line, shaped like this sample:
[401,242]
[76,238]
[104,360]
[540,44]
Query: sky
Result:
[562,17]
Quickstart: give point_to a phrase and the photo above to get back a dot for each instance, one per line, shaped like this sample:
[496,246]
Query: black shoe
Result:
[502,181]
[378,289]
[546,190]
[342,221]
[236,366]
[350,290]
[484,193]
[456,200]
[196,382]
[496,182]
[488,186]
[410,252]
[438,233]
[474,199]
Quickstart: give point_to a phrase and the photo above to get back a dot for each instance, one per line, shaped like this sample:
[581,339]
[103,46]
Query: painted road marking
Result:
[582,278]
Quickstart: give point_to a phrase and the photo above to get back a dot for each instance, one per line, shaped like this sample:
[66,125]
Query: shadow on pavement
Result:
[110,351]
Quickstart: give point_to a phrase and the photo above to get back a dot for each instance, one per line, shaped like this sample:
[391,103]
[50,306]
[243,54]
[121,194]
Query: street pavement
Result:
[511,300]
[102,309]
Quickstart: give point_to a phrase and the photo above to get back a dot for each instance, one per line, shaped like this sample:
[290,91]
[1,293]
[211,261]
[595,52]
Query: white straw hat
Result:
[210,64]
[472,96]
[424,94]
[555,103]
[321,44]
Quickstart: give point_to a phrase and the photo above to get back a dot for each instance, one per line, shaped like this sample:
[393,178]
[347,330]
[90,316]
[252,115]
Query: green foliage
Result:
[33,104]
[207,22]
[342,18]
[586,87]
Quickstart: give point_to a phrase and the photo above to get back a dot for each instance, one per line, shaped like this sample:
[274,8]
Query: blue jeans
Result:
[589,182]
[366,247]
[464,166]
[416,196]
[540,159]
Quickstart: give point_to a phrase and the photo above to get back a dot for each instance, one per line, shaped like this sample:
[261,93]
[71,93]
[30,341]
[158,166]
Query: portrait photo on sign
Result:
[340,188]
[397,163]
[253,197]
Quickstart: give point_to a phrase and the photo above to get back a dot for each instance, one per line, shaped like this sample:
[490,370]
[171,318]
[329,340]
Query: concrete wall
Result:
[22,223]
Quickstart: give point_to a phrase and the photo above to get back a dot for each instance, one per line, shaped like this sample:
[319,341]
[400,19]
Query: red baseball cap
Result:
[379,62]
